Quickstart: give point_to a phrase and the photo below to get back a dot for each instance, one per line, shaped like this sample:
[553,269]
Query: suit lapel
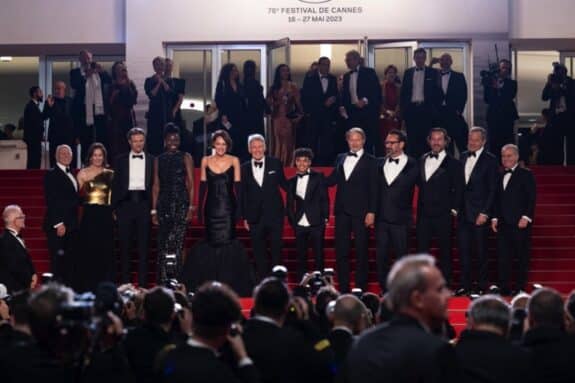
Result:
[402,172]
[65,178]
[311,184]
[477,166]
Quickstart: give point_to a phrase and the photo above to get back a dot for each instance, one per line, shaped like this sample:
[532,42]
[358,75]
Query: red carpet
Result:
[553,244]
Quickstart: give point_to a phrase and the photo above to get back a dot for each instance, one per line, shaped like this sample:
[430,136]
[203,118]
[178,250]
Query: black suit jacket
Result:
[368,86]
[16,268]
[61,129]
[313,97]
[395,200]
[265,203]
[401,351]
[553,95]
[518,199]
[444,189]
[62,200]
[122,178]
[78,83]
[501,104]
[431,89]
[552,356]
[479,192]
[487,357]
[33,123]
[341,342]
[356,196]
[456,96]
[316,202]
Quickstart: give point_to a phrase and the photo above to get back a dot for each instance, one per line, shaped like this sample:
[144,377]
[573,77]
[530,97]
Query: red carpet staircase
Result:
[553,245]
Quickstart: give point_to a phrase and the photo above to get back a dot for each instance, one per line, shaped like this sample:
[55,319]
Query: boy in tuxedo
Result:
[307,209]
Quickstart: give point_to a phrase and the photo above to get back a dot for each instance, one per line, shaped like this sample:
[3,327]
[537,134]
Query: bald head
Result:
[349,312]
[60,89]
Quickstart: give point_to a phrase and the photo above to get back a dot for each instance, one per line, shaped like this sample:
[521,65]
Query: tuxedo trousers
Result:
[259,232]
[133,219]
[61,260]
[418,122]
[469,235]
[439,226]
[303,236]
[345,225]
[513,243]
[389,235]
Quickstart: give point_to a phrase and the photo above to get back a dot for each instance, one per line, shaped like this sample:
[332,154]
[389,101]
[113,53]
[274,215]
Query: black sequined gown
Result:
[220,257]
[172,207]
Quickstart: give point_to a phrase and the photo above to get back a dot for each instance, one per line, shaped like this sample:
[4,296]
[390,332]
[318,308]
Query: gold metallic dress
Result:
[94,255]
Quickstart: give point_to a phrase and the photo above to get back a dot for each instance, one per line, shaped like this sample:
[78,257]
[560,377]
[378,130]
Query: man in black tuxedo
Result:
[418,101]
[261,203]
[480,170]
[441,183]
[89,83]
[483,348]
[361,100]
[397,177]
[451,103]
[61,219]
[307,209]
[513,213]
[61,129]
[499,94]
[355,175]
[319,99]
[34,127]
[131,202]
[404,349]
[17,271]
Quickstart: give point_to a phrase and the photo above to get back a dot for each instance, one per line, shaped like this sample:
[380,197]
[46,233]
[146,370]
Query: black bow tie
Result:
[433,155]
[301,175]
[445,73]
[140,156]
[351,154]
[418,69]
[396,160]
[472,154]
[258,164]
[67,169]
[508,171]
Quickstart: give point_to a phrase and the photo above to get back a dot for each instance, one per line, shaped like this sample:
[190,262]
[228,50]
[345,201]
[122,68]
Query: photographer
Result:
[499,92]
[560,92]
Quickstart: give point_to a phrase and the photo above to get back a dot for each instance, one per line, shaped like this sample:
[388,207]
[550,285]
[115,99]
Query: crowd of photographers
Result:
[309,333]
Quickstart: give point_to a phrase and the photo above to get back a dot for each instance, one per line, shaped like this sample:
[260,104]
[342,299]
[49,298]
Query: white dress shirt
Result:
[258,172]
[137,172]
[417,93]
[350,162]
[444,82]
[470,164]
[300,190]
[69,175]
[18,238]
[507,177]
[391,169]
[324,82]
[353,86]
[432,164]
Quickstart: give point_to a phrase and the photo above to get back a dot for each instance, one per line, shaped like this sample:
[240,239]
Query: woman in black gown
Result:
[220,256]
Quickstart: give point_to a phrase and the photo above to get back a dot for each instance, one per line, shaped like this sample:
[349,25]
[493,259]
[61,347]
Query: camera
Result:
[93,65]
[357,292]
[172,284]
[280,272]
[490,74]
[46,278]
[316,282]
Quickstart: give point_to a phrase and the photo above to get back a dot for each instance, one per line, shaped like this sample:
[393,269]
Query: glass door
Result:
[399,54]
[568,59]
[279,52]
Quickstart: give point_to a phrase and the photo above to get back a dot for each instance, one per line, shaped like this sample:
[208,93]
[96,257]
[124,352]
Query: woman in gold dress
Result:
[94,254]
[284,101]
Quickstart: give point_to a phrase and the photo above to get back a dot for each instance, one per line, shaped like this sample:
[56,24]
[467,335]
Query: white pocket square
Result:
[271,172]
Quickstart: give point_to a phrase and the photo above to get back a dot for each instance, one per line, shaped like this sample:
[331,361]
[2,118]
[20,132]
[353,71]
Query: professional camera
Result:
[489,75]
[280,272]
[558,76]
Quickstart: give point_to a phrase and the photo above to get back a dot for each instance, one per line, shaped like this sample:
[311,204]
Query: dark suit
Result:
[355,197]
[450,105]
[133,213]
[97,131]
[62,203]
[322,119]
[552,356]
[501,114]
[33,134]
[560,124]
[401,351]
[315,206]
[419,117]
[478,196]
[61,130]
[488,357]
[367,118]
[16,268]
[516,201]
[142,346]
[263,208]
[437,197]
[341,342]
[394,214]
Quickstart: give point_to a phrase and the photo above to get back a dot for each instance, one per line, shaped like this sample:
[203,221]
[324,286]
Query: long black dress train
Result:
[220,257]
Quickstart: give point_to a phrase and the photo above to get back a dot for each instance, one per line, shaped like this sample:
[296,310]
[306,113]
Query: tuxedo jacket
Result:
[368,86]
[262,203]
[444,189]
[518,198]
[357,195]
[316,202]
[122,178]
[33,123]
[395,200]
[456,96]
[313,97]
[501,102]
[61,123]
[479,192]
[431,88]
[16,268]
[62,200]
